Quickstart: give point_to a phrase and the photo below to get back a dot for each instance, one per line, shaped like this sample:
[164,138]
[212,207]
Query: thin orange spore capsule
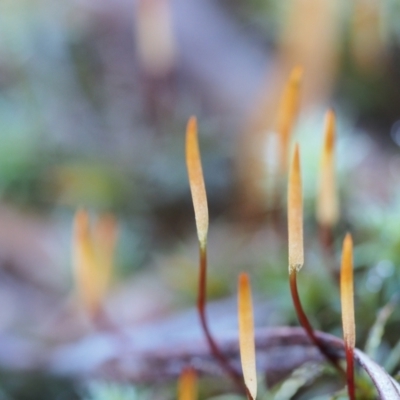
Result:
[105,233]
[327,200]
[199,198]
[296,249]
[187,385]
[246,335]
[295,214]
[347,302]
[287,114]
[84,260]
[196,181]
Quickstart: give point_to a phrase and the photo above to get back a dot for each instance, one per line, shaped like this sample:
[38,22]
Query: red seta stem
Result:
[201,307]
[301,315]
[351,389]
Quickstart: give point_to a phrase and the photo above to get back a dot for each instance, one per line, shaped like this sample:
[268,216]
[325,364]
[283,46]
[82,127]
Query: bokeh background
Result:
[94,100]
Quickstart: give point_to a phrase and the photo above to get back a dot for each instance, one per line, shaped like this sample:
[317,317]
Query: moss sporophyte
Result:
[327,213]
[247,383]
[94,246]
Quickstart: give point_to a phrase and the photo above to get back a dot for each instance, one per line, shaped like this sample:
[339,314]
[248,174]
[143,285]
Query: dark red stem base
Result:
[306,324]
[215,350]
[350,372]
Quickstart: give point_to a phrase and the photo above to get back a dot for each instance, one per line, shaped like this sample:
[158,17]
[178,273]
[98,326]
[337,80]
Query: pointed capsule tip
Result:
[348,239]
[187,386]
[296,155]
[243,278]
[192,124]
[246,334]
[296,74]
[330,122]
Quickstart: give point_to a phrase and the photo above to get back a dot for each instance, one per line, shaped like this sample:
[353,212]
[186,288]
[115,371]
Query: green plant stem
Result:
[201,307]
[306,324]
[350,372]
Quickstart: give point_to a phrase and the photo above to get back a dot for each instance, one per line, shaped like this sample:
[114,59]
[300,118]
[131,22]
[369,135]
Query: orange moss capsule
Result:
[347,292]
[93,258]
[246,335]
[187,385]
[295,215]
[199,198]
[287,113]
[196,181]
[347,302]
[327,199]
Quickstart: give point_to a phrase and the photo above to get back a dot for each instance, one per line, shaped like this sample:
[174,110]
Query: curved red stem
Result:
[201,307]
[306,324]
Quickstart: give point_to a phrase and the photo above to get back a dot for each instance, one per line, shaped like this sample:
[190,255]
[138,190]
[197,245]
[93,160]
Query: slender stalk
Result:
[305,323]
[296,249]
[201,307]
[351,389]
[199,198]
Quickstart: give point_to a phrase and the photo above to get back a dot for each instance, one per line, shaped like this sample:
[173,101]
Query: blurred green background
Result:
[94,100]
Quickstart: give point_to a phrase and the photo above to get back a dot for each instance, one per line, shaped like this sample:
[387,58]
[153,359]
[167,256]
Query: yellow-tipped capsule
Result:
[347,302]
[196,181]
[93,258]
[84,260]
[105,234]
[246,335]
[287,113]
[295,214]
[347,293]
[327,199]
[187,387]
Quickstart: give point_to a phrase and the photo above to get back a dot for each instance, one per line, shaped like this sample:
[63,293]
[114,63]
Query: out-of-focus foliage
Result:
[113,391]
[31,386]
[84,121]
